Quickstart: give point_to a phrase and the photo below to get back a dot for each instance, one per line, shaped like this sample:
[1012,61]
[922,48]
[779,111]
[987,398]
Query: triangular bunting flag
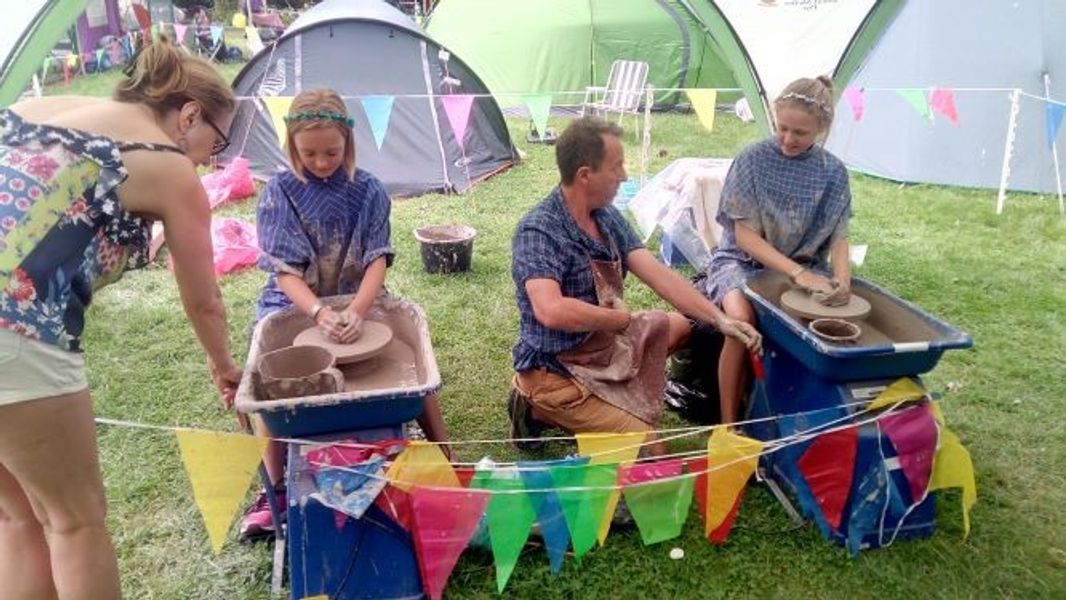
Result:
[952,467]
[731,460]
[154,29]
[703,102]
[584,508]
[220,467]
[901,390]
[548,508]
[422,463]
[378,111]
[721,533]
[179,32]
[913,434]
[609,449]
[278,107]
[917,100]
[857,101]
[943,101]
[443,521]
[216,33]
[539,107]
[660,509]
[510,517]
[457,109]
[872,493]
[1053,113]
[72,60]
[397,504]
[255,43]
[828,466]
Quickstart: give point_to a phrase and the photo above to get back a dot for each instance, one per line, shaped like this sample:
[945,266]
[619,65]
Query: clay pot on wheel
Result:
[299,371]
[836,331]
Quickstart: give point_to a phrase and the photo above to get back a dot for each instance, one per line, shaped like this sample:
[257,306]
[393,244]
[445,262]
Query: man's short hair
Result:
[581,145]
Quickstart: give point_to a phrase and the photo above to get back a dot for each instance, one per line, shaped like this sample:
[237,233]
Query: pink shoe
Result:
[257,523]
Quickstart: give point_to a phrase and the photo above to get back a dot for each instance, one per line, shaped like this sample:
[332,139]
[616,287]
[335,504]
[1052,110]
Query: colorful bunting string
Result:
[857,101]
[942,101]
[609,448]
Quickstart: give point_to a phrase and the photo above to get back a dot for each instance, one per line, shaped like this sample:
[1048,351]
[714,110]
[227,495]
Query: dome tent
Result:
[364,48]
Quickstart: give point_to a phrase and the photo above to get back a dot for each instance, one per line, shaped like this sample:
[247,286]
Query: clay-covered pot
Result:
[299,371]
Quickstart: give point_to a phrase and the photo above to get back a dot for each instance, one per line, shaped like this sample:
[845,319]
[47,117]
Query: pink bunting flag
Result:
[856,100]
[457,108]
[444,520]
[827,466]
[339,519]
[943,102]
[913,434]
[179,32]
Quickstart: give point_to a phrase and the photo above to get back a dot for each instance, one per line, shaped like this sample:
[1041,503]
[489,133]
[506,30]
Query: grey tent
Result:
[367,48]
[980,51]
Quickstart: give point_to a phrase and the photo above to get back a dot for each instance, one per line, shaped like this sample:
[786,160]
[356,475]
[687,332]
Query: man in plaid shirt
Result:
[555,250]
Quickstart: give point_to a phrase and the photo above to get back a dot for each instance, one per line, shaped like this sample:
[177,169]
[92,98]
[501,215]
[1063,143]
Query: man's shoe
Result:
[523,426]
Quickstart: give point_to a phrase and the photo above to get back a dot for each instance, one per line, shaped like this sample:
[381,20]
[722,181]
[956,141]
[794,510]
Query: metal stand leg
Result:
[277,573]
[782,498]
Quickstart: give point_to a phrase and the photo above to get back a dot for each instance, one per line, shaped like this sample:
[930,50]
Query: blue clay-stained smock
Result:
[800,205]
[324,231]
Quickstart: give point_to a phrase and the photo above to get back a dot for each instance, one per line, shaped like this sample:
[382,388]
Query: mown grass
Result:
[1001,278]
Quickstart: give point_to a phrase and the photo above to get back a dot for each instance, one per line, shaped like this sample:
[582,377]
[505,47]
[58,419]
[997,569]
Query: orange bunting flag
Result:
[731,460]
[278,107]
[220,467]
[422,464]
[952,467]
[607,449]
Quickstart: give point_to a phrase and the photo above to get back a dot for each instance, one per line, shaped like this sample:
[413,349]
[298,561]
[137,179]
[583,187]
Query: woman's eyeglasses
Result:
[222,142]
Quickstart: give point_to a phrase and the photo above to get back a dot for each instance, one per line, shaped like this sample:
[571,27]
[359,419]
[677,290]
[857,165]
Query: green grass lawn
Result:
[999,278]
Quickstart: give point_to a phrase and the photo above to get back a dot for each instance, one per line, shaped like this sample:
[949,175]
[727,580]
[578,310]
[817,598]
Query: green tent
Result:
[563,46]
[27,34]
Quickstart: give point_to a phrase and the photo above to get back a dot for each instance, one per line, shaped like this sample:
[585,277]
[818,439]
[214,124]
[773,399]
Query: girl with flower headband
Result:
[323,230]
[785,205]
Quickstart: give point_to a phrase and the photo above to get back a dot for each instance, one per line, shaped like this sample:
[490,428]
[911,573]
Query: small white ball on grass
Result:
[677,554]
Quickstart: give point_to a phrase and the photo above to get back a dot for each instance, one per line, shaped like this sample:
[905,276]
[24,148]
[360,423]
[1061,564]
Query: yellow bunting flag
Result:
[731,460]
[703,102]
[220,467]
[901,390]
[422,463]
[278,106]
[320,596]
[605,449]
[72,60]
[952,467]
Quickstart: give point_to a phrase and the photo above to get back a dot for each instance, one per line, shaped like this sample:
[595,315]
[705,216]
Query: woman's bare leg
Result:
[732,365]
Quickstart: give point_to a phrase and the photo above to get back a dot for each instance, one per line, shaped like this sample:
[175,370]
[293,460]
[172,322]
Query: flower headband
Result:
[806,100]
[319,115]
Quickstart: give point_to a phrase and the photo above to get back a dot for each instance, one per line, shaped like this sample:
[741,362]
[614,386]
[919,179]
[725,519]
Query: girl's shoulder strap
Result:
[149,146]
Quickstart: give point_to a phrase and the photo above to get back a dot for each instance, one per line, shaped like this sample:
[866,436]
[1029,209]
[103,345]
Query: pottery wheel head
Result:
[799,303]
[375,337]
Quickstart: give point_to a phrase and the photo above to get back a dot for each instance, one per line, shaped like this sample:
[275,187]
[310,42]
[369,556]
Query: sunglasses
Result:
[222,142]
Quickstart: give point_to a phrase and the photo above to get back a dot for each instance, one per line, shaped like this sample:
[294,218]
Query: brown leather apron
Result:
[626,369]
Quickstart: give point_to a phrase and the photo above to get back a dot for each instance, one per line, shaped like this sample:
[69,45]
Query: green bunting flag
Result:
[917,100]
[584,509]
[539,106]
[661,508]
[510,518]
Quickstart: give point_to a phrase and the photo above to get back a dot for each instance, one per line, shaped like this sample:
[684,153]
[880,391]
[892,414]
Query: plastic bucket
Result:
[446,248]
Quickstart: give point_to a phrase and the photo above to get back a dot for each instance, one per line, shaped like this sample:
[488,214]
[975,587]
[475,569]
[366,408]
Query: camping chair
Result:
[626,84]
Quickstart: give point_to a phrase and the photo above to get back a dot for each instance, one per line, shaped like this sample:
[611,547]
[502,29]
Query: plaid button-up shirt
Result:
[548,244]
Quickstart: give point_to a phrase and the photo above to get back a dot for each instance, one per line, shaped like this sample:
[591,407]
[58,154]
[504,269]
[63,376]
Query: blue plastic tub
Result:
[899,339]
[385,390]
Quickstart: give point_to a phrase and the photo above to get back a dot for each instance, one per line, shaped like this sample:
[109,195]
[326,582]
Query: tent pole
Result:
[1012,125]
[1054,148]
[645,144]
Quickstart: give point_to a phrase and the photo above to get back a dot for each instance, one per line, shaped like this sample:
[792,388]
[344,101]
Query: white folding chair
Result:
[625,89]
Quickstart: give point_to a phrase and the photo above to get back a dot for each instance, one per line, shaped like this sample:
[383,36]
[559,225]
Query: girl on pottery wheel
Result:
[81,180]
[785,206]
[323,230]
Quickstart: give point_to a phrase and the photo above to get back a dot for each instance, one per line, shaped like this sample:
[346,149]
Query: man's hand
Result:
[741,331]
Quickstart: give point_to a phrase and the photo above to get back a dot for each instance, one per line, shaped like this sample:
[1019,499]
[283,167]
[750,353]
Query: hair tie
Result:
[806,100]
[319,115]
